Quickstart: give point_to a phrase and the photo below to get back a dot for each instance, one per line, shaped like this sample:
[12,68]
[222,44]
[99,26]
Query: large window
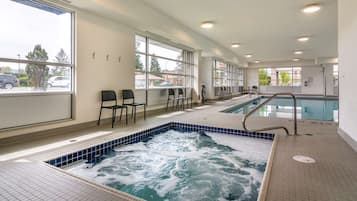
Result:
[227,75]
[285,76]
[159,65]
[36,48]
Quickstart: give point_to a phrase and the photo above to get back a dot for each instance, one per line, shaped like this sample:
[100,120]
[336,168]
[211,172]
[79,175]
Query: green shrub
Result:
[24,81]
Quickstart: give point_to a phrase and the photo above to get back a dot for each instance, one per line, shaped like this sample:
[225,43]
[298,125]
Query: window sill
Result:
[39,93]
[153,89]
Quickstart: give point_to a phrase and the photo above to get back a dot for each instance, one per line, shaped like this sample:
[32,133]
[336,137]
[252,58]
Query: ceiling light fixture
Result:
[256,61]
[298,52]
[303,39]
[296,59]
[311,8]
[207,24]
[235,45]
[248,55]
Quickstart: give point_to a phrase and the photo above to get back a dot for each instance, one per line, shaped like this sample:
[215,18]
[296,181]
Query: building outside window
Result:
[159,65]
[36,48]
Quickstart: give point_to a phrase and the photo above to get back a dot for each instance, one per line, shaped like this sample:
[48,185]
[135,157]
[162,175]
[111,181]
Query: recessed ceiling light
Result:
[298,52]
[235,45]
[256,61]
[296,59]
[311,8]
[207,24]
[248,55]
[303,39]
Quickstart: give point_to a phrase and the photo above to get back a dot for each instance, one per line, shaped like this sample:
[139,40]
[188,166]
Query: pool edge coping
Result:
[115,192]
[262,196]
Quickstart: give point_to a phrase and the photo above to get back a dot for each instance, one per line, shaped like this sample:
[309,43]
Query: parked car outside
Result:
[8,81]
[166,84]
[59,81]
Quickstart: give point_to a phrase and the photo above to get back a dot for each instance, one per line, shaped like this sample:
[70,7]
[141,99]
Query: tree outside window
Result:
[285,78]
[155,66]
[37,73]
[264,79]
[139,64]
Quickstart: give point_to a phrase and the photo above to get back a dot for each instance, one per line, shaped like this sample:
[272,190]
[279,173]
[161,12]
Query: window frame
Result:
[187,63]
[71,65]
[231,74]
[274,71]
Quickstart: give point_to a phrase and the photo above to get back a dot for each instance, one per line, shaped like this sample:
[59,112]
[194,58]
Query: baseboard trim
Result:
[348,139]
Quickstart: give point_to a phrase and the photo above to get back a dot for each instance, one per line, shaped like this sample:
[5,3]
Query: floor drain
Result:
[304,159]
[308,134]
[73,141]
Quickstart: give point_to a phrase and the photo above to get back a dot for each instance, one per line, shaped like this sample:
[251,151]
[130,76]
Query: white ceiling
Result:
[265,28]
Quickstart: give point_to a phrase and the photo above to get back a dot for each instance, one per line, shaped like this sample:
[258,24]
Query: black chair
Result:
[128,94]
[181,97]
[110,96]
[170,97]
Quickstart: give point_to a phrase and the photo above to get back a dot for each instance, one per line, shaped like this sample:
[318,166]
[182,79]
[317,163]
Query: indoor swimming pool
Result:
[321,109]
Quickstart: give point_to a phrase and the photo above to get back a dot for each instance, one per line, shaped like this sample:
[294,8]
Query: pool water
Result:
[184,166]
[307,108]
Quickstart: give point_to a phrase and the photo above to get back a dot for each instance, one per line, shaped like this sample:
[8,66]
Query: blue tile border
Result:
[94,153]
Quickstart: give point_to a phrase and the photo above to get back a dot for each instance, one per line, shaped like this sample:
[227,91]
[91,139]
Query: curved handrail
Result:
[274,127]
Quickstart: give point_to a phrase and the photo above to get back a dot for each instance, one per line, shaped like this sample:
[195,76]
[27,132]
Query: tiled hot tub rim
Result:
[103,148]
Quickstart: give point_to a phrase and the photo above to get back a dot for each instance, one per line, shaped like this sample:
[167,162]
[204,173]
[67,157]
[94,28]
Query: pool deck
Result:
[332,178]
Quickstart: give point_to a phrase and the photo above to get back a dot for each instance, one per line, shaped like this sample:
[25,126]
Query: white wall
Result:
[314,77]
[22,110]
[252,77]
[93,75]
[206,76]
[347,48]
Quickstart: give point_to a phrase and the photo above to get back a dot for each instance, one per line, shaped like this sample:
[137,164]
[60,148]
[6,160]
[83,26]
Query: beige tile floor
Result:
[332,178]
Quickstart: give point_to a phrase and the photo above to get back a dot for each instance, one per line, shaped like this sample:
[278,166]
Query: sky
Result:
[22,27]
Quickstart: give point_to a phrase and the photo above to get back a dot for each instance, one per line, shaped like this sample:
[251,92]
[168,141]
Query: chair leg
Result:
[134,114]
[113,118]
[115,114]
[167,105]
[121,113]
[145,112]
[126,115]
[100,114]
[132,111]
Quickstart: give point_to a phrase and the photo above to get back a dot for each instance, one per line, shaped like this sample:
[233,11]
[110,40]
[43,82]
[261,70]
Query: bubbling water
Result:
[184,166]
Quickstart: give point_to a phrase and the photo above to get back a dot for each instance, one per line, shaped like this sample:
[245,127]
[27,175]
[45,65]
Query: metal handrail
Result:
[274,127]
